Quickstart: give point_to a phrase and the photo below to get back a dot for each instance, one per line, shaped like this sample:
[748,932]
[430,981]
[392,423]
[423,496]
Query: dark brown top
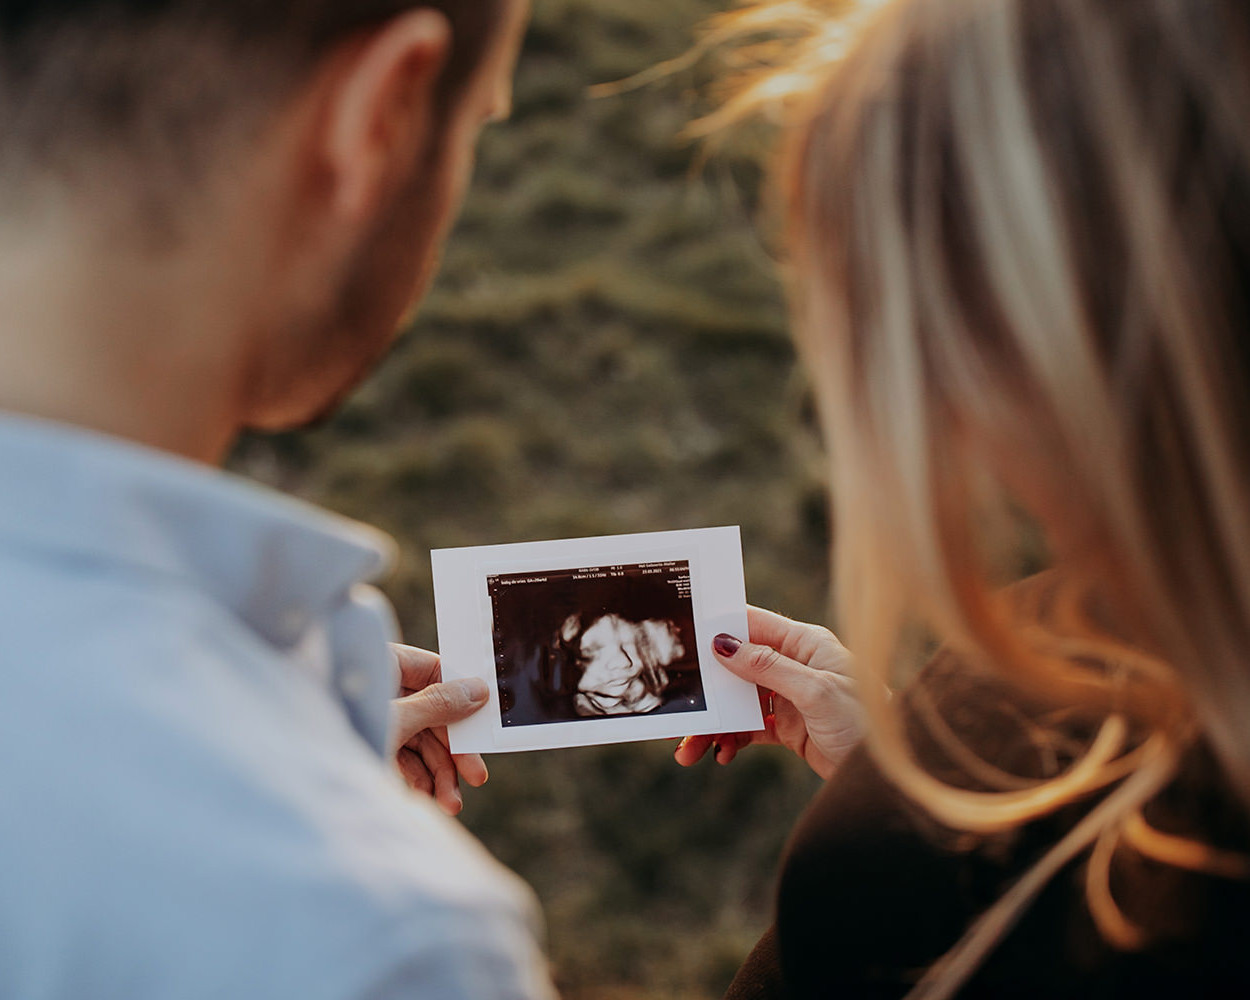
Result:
[873,890]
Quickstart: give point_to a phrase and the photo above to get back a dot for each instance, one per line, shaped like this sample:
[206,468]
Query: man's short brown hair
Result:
[158,84]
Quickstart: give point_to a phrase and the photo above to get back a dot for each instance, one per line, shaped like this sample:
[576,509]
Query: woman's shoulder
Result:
[874,889]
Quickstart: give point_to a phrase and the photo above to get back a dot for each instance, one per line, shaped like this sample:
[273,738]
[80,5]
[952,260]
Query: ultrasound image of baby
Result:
[620,664]
[619,641]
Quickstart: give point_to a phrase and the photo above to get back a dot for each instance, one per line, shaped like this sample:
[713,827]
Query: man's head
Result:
[163,83]
[301,158]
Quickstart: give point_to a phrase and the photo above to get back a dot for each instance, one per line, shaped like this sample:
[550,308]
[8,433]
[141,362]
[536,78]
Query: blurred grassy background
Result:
[605,351]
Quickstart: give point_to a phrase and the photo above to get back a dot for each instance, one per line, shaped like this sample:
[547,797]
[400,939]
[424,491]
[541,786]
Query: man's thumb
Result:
[439,705]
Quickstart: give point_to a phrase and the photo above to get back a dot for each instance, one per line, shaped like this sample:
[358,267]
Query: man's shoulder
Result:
[396,900]
[59,601]
[198,803]
[217,889]
[130,657]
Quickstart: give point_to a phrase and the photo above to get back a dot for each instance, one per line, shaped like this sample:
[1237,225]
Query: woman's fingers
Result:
[806,671]
[691,750]
[817,713]
[804,687]
[724,746]
[727,747]
[808,644]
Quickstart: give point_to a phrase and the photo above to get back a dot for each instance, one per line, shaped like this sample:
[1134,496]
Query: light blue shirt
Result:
[193,797]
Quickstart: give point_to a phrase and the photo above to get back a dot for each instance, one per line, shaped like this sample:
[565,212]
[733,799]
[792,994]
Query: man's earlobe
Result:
[380,110]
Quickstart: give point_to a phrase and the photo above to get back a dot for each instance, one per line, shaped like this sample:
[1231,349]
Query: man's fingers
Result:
[470,765]
[414,771]
[472,768]
[437,705]
[439,763]
[763,665]
[417,667]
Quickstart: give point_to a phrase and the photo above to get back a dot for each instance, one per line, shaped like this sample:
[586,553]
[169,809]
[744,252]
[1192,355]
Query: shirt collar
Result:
[274,561]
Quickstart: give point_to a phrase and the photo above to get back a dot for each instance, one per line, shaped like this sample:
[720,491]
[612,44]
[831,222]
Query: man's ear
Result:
[380,111]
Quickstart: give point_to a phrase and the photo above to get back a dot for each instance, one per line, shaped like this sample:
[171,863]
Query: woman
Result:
[1020,233]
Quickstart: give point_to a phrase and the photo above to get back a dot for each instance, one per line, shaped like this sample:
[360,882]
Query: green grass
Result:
[605,351]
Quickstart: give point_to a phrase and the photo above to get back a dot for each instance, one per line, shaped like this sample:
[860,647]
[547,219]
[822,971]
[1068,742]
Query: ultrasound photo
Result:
[595,642]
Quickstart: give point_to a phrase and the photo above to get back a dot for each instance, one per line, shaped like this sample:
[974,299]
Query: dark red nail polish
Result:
[726,644]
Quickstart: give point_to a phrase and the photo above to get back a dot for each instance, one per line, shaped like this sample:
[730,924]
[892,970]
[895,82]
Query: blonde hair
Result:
[1021,242]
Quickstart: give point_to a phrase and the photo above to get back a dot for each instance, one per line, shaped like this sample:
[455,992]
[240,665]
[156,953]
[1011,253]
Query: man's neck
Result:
[140,348]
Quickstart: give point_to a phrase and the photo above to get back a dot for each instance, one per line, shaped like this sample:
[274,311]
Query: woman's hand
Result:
[420,717]
[806,691]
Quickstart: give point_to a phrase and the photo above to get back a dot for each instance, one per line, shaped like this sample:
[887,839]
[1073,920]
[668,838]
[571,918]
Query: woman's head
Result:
[1021,232]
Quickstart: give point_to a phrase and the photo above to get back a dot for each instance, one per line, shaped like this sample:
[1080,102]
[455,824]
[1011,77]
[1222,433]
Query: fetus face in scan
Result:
[622,664]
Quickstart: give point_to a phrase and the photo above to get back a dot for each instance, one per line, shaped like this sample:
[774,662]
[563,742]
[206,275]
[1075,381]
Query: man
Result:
[213,214]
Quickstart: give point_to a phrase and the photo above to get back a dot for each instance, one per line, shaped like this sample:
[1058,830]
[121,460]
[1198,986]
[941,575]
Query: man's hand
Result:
[420,717]
[806,691]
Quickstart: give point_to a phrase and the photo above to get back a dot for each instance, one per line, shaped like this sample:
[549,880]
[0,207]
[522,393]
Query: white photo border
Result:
[466,643]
